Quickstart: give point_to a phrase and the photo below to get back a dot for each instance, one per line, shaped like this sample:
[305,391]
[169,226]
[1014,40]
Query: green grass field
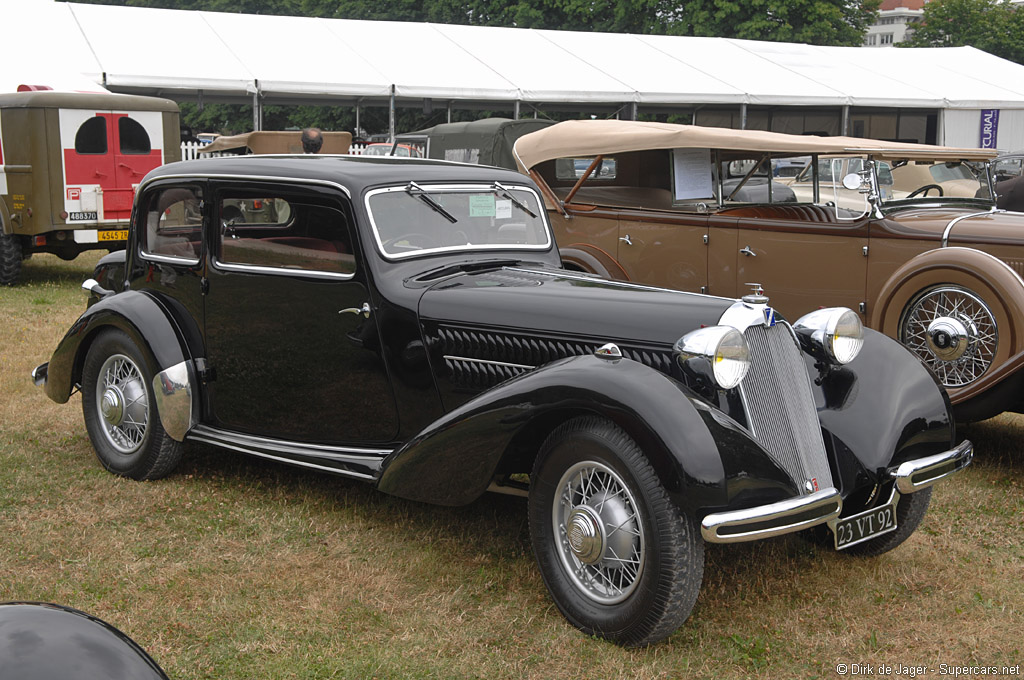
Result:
[237,568]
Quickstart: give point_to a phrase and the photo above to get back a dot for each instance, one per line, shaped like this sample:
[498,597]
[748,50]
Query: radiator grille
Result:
[780,408]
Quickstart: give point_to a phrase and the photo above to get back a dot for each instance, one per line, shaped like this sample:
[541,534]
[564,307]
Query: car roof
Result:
[355,173]
[604,137]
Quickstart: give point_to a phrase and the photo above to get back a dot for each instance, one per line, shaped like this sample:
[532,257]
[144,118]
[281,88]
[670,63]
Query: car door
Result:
[292,353]
[667,250]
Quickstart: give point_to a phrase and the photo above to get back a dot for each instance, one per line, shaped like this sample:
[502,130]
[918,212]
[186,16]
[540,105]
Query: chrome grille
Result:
[780,409]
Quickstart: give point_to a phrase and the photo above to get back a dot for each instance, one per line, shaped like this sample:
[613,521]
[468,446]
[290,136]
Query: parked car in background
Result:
[275,141]
[487,141]
[409,325]
[385,149]
[937,265]
[1009,181]
[69,165]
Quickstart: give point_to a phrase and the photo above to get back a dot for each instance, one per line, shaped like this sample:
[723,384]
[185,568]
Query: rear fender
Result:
[130,312]
[704,459]
[590,258]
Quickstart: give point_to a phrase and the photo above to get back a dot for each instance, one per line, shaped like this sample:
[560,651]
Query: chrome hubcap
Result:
[123,403]
[948,338]
[954,332]
[599,532]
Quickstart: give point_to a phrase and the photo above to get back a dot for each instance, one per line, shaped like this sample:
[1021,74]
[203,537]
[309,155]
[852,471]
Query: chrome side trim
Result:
[170,259]
[449,357]
[280,271]
[282,451]
[39,374]
[775,519]
[173,389]
[955,221]
[915,475]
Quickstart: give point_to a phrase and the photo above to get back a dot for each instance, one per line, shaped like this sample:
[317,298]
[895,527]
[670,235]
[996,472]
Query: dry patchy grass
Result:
[238,568]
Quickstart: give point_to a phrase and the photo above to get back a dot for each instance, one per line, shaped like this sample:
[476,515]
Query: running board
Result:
[358,463]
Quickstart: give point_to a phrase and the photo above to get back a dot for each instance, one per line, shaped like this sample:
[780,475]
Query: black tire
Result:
[10,259]
[120,413]
[909,513]
[643,599]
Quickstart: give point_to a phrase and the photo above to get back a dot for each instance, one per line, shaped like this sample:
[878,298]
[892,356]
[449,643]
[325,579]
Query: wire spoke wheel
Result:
[600,532]
[953,331]
[123,403]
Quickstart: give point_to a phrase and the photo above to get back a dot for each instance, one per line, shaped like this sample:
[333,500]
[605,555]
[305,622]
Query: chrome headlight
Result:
[719,353]
[835,332]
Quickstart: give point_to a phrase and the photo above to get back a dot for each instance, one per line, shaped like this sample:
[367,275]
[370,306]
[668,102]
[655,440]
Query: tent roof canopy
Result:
[303,58]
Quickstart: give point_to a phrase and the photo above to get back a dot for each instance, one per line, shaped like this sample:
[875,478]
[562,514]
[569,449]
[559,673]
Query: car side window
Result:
[173,223]
[287,232]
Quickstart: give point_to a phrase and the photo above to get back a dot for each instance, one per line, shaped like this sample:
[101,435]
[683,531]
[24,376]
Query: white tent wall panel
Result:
[962,127]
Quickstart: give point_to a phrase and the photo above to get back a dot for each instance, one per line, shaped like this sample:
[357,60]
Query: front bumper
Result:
[794,514]
[915,475]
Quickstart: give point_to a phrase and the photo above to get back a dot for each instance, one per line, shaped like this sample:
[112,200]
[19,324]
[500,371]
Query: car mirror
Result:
[852,181]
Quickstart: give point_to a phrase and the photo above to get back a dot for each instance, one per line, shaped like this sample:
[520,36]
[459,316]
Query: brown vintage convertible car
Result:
[936,265]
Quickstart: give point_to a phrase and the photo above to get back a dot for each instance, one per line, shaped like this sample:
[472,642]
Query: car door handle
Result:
[747,251]
[625,239]
[364,310]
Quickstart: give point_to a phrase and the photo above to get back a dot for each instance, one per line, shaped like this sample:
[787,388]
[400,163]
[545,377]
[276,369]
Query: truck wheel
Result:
[909,513]
[953,331]
[10,259]
[120,413]
[618,557]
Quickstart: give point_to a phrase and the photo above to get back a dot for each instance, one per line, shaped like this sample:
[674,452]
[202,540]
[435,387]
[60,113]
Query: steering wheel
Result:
[925,189]
[412,240]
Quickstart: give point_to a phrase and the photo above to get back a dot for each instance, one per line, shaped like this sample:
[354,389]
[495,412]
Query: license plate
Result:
[82,217]
[864,525]
[121,235]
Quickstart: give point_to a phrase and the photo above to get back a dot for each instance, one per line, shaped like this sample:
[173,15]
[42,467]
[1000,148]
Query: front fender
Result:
[882,409]
[131,312]
[999,287]
[705,460]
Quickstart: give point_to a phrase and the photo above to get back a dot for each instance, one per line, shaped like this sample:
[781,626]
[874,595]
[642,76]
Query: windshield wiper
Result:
[505,193]
[414,189]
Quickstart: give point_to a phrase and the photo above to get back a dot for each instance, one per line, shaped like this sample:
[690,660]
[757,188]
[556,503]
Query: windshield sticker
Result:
[483,206]
[503,209]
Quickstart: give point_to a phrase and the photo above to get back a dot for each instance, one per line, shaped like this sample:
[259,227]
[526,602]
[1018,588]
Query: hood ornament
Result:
[756,296]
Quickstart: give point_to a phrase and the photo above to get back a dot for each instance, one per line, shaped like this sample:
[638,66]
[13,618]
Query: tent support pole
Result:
[391,116]
[846,121]
[199,100]
[743,116]
[451,104]
[257,110]
[634,110]
[515,115]
[357,121]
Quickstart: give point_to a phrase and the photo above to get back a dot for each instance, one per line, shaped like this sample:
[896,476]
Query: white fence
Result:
[190,150]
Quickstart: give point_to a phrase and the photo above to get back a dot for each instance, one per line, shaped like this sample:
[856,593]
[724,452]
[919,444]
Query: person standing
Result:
[312,140]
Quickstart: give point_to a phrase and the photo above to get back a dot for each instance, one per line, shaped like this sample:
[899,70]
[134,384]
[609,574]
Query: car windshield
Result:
[928,180]
[411,219]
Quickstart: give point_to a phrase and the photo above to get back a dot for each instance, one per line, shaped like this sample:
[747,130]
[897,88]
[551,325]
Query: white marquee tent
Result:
[272,59]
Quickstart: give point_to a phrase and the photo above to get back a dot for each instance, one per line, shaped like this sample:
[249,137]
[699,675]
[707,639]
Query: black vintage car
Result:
[407,323]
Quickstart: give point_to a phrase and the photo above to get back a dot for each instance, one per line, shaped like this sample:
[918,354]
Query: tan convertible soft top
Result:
[286,141]
[574,138]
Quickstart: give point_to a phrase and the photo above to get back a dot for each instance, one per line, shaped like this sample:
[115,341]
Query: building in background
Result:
[896,20]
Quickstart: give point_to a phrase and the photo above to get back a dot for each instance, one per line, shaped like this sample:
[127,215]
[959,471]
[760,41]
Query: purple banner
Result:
[989,128]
